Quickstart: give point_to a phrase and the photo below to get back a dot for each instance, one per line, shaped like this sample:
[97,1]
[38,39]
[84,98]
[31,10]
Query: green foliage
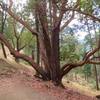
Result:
[25,37]
[97,2]
[69,49]
[86,5]
[32,3]
[87,70]
[28,38]
[9,31]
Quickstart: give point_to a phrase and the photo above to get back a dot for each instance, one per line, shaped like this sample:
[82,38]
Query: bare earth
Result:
[12,89]
[21,85]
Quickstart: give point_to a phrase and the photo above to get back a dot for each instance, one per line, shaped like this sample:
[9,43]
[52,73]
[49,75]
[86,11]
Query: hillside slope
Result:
[18,83]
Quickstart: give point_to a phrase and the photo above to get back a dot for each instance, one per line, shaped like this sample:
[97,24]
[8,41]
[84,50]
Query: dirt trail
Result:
[17,83]
[12,84]
[12,89]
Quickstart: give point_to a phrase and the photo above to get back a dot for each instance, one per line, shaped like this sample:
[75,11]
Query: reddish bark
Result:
[49,40]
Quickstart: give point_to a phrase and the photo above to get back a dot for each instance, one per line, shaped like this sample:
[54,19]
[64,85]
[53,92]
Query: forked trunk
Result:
[51,61]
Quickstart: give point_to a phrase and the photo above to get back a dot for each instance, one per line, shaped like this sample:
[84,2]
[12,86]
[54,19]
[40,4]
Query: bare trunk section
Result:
[37,56]
[37,38]
[17,47]
[96,77]
[55,61]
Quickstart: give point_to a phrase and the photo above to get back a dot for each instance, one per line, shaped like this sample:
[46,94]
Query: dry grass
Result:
[80,88]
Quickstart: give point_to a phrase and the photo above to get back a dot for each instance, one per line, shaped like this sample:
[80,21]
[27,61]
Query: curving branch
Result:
[95,57]
[93,17]
[17,18]
[87,14]
[22,56]
[67,22]
[67,67]
[77,9]
[93,62]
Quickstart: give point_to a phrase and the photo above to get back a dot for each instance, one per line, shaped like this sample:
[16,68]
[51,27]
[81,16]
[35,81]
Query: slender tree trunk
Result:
[4,51]
[38,52]
[37,38]
[17,47]
[2,29]
[96,77]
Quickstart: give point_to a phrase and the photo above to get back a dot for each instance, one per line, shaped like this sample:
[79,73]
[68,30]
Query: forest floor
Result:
[18,83]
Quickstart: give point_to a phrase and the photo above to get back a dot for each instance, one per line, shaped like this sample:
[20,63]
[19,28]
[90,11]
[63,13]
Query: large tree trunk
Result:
[55,61]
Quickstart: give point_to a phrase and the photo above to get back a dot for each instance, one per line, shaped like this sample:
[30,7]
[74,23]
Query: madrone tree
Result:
[52,17]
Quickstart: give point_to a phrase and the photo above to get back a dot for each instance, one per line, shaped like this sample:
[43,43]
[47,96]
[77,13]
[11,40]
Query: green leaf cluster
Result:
[87,6]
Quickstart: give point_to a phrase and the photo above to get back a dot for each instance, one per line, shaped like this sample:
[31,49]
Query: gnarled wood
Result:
[22,56]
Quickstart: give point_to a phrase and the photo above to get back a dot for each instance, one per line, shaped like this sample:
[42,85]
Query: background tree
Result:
[53,16]
[3,16]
